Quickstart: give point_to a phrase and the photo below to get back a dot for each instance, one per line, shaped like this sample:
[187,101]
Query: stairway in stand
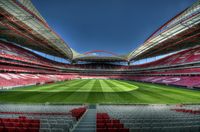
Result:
[88,122]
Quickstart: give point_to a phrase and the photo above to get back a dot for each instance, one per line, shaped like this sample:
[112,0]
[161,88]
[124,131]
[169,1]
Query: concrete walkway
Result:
[88,122]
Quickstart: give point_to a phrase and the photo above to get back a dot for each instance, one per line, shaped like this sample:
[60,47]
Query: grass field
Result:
[100,91]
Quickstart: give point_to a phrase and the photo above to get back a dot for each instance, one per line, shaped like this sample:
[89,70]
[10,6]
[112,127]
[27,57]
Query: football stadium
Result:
[48,86]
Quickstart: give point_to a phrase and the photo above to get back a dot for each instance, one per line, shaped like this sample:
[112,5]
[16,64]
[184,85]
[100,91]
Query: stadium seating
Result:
[105,124]
[35,118]
[156,118]
[191,55]
[9,80]
[77,113]
[21,124]
[27,68]
[193,81]
[12,52]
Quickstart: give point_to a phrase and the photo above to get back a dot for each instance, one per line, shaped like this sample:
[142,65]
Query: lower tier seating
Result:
[187,81]
[155,118]
[21,124]
[104,123]
[9,80]
[39,118]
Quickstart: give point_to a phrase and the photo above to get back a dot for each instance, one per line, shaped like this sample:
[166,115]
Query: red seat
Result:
[10,129]
[22,129]
[113,130]
[2,129]
[101,130]
[109,125]
[8,124]
[118,125]
[115,121]
[101,125]
[124,130]
[33,130]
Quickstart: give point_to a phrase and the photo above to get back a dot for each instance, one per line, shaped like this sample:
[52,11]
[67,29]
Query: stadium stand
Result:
[39,118]
[188,56]
[10,80]
[105,124]
[154,118]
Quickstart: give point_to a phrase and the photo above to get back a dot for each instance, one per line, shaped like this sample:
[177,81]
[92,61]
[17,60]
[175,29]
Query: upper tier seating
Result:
[187,56]
[10,51]
[156,118]
[7,68]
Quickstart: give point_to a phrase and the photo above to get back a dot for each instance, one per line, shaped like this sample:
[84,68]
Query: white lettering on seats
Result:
[29,76]
[170,80]
[5,76]
[158,79]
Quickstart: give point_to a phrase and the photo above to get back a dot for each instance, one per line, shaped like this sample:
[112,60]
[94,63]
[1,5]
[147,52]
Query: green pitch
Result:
[100,91]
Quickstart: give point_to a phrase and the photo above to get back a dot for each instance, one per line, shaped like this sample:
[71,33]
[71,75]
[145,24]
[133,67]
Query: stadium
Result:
[93,92]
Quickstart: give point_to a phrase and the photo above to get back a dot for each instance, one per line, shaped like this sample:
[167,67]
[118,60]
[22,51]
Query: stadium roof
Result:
[20,22]
[181,32]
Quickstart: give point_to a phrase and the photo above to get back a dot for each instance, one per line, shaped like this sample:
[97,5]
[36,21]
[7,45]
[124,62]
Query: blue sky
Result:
[118,26]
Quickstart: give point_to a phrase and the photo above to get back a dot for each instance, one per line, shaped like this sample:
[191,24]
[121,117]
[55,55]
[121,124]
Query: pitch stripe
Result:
[112,86]
[105,86]
[117,88]
[96,86]
[64,86]
[78,96]
[127,84]
[78,86]
[44,87]
[120,87]
[56,87]
[72,85]
[87,87]
[69,88]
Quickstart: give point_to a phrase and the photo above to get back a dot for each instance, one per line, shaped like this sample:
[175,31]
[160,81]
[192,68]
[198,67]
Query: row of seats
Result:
[105,124]
[78,112]
[35,118]
[20,69]
[17,63]
[21,124]
[183,71]
[13,52]
[191,111]
[9,80]
[186,56]
[153,118]
[186,81]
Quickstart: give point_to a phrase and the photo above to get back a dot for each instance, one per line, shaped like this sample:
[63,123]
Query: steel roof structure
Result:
[21,23]
[181,32]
